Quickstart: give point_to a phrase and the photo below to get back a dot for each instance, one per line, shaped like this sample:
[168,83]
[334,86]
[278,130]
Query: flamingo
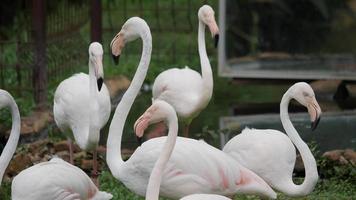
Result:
[271,154]
[6,100]
[162,111]
[194,166]
[82,105]
[53,180]
[185,89]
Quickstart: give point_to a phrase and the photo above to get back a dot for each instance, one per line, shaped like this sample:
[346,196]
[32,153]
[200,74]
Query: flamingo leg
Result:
[186,130]
[70,146]
[95,173]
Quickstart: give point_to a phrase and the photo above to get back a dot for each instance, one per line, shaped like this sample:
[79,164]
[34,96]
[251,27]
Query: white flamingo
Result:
[82,105]
[162,111]
[194,166]
[53,180]
[185,89]
[6,100]
[271,154]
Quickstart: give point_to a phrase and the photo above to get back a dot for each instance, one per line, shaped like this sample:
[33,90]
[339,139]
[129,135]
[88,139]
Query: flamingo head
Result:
[157,112]
[304,94]
[4,98]
[96,58]
[207,16]
[133,28]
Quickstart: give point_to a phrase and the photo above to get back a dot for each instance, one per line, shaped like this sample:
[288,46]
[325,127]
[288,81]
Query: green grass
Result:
[330,189]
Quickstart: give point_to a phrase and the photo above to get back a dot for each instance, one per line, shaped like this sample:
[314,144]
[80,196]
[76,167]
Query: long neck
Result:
[206,71]
[91,131]
[11,144]
[311,172]
[113,157]
[154,183]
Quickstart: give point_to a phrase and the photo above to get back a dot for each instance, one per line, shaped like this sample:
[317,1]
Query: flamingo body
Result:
[271,147]
[271,154]
[54,180]
[194,167]
[71,109]
[204,197]
[184,89]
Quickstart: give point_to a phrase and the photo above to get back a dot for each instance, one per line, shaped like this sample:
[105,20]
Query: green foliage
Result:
[5,190]
[331,169]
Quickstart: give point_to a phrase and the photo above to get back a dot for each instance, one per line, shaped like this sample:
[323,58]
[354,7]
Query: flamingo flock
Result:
[253,162]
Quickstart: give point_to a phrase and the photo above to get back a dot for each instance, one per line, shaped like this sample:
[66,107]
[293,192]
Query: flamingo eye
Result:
[305,94]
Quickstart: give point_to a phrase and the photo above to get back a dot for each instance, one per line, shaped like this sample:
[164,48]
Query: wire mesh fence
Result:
[173,23]
[174,27]
[64,45]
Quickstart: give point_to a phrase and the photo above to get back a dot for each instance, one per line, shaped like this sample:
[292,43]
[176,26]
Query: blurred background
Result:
[265,46]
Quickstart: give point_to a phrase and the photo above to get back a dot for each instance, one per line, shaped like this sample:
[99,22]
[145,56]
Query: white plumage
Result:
[194,166]
[185,89]
[271,154]
[72,110]
[82,105]
[55,180]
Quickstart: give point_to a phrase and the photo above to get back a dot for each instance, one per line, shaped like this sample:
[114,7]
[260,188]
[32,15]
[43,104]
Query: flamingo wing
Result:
[181,88]
[269,153]
[55,179]
[193,167]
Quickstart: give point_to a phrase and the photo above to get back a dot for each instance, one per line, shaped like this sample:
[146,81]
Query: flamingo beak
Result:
[214,29]
[100,83]
[116,46]
[314,111]
[140,126]
[98,71]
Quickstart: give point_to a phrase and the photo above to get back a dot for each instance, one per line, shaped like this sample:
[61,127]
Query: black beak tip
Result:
[139,140]
[116,59]
[315,123]
[100,83]
[216,40]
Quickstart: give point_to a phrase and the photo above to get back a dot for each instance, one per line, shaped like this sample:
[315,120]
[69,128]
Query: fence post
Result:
[95,21]
[39,72]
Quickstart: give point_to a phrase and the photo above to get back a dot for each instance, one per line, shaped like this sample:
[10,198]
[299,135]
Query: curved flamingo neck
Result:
[154,183]
[11,144]
[311,172]
[91,132]
[207,74]
[113,157]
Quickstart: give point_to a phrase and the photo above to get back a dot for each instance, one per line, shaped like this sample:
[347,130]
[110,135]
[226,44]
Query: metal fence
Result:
[174,27]
[173,23]
[64,45]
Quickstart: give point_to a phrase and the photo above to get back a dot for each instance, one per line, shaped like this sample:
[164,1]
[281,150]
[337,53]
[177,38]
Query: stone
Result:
[36,146]
[61,146]
[333,155]
[64,155]
[19,162]
[80,155]
[117,84]
[35,159]
[86,164]
[36,121]
[343,161]
[350,155]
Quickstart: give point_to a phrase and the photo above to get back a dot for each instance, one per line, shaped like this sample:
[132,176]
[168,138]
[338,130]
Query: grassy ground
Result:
[326,189]
[330,189]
